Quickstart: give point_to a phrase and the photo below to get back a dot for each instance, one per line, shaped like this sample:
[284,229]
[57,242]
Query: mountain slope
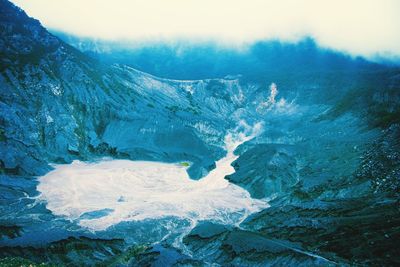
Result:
[190,60]
[72,106]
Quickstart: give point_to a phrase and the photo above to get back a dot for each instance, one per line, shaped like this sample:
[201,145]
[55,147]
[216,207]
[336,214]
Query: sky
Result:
[358,27]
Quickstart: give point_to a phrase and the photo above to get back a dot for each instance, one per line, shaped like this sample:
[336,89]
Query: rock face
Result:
[327,157]
[275,173]
[57,105]
[244,248]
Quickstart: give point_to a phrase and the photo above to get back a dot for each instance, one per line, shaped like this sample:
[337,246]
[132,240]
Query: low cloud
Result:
[359,27]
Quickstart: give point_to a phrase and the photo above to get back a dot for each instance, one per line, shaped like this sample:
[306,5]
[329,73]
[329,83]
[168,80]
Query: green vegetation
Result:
[193,110]
[173,109]
[126,256]
[2,135]
[377,106]
[184,164]
[9,231]
[385,118]
[21,262]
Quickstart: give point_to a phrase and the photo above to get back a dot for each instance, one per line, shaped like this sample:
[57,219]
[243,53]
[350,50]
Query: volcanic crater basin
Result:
[100,194]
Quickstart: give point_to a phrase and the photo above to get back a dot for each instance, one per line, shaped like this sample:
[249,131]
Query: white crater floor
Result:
[102,194]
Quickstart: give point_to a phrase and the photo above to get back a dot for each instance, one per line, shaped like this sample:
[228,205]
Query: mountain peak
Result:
[12,14]
[22,38]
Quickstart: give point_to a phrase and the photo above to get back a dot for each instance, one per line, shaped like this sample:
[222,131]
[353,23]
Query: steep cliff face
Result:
[58,104]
